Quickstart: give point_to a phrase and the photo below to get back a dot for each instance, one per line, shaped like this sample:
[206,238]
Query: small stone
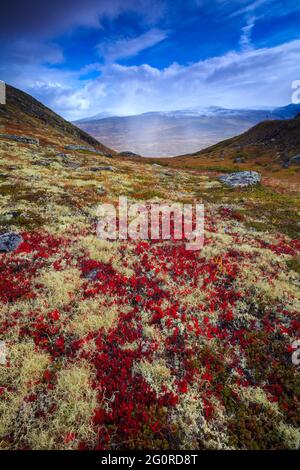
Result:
[239,160]
[10,242]
[92,274]
[63,155]
[101,191]
[102,168]
[72,165]
[8,216]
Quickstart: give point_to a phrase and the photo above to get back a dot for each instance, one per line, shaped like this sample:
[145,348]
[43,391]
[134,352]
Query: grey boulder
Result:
[10,242]
[241,179]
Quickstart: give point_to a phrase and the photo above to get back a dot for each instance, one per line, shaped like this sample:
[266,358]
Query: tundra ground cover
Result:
[136,344]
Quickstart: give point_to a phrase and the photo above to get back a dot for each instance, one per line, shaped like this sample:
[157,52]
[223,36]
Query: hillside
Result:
[24,115]
[270,144]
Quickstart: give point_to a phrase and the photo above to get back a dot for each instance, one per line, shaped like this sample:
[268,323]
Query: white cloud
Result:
[236,79]
[130,47]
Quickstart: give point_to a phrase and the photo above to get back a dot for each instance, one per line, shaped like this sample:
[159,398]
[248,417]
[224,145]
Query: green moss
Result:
[29,221]
[254,428]
[263,208]
[294,265]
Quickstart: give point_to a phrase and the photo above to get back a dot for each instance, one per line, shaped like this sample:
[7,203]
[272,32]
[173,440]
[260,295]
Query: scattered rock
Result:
[101,191]
[239,160]
[42,163]
[10,242]
[63,155]
[8,216]
[92,274]
[241,179]
[102,168]
[127,153]
[78,147]
[20,138]
[72,165]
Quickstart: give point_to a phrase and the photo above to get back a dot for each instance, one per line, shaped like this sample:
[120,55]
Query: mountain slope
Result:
[266,143]
[24,115]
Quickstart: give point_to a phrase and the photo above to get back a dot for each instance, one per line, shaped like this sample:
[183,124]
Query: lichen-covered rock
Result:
[10,242]
[241,179]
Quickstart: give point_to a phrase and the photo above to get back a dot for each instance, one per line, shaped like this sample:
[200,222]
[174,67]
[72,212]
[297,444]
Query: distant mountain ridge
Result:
[169,133]
[284,112]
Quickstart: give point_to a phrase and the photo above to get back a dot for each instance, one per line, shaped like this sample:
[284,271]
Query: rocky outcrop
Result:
[127,153]
[19,138]
[10,242]
[241,179]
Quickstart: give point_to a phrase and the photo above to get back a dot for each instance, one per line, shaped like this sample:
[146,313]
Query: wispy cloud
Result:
[114,50]
[246,36]
[250,7]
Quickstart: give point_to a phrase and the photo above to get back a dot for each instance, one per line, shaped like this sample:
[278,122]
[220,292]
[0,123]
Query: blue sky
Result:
[131,56]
